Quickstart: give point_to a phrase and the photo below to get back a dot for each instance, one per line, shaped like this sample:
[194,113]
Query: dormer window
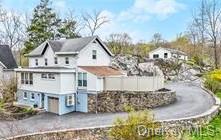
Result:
[36,62]
[46,61]
[66,60]
[94,54]
[55,60]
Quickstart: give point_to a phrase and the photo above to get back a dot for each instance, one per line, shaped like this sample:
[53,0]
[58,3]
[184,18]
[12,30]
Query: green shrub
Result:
[213,80]
[128,129]
[212,84]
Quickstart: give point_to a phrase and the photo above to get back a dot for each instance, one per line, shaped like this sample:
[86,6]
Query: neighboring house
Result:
[62,73]
[167,53]
[7,63]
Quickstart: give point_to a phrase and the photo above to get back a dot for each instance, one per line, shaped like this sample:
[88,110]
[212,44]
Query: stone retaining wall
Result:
[115,101]
[101,133]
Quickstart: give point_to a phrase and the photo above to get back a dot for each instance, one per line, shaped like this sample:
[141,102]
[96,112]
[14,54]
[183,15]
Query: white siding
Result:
[50,55]
[85,56]
[62,84]
[160,52]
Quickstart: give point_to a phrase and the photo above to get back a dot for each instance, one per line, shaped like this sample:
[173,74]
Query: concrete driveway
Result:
[191,100]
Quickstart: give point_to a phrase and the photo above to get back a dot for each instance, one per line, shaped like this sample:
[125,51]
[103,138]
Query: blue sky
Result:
[139,18]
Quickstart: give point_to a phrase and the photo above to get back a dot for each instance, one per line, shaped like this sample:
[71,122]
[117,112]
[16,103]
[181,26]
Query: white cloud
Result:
[143,10]
[126,21]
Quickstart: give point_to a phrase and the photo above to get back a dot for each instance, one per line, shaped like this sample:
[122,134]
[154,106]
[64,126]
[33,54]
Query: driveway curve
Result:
[191,101]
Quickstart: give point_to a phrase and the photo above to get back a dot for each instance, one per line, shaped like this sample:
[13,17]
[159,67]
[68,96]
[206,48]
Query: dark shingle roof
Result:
[65,45]
[6,57]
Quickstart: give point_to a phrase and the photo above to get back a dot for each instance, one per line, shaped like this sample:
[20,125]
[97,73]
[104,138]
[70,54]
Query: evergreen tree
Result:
[43,26]
[67,29]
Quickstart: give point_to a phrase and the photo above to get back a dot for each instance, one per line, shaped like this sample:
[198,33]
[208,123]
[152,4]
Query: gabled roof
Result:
[7,58]
[68,45]
[171,50]
[102,70]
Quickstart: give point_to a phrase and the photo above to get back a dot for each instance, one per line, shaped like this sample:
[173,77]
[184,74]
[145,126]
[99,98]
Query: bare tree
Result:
[207,22]
[213,14]
[94,21]
[118,43]
[12,30]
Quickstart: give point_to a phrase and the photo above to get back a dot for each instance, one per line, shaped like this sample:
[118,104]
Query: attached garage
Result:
[53,105]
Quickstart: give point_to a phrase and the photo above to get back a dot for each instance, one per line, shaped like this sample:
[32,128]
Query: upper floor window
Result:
[22,78]
[36,62]
[82,79]
[46,61]
[66,60]
[94,54]
[55,60]
[27,78]
[31,78]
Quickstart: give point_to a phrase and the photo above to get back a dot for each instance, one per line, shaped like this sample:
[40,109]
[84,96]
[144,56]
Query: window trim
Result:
[82,80]
[25,93]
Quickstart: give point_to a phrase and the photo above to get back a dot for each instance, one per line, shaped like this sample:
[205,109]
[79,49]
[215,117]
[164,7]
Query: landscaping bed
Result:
[8,112]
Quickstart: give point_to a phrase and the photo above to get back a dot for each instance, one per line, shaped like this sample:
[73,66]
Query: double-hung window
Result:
[22,78]
[26,78]
[82,79]
[66,60]
[94,54]
[32,96]
[31,78]
[46,61]
[55,60]
[25,95]
[36,62]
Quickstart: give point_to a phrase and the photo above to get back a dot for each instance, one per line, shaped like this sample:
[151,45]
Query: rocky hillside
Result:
[132,67]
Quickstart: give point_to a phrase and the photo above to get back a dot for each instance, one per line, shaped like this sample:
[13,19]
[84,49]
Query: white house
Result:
[7,63]
[167,53]
[62,73]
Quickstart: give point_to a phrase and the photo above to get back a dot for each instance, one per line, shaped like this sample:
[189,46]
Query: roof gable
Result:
[7,58]
[68,45]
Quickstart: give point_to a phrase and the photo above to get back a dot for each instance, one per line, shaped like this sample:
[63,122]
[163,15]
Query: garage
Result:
[53,105]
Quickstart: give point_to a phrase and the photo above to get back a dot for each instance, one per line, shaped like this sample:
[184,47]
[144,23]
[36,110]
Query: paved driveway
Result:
[191,100]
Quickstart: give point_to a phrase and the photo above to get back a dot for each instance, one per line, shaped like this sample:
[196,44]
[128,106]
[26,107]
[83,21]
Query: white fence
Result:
[150,83]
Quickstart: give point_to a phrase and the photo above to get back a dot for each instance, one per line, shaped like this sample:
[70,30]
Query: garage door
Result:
[53,105]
